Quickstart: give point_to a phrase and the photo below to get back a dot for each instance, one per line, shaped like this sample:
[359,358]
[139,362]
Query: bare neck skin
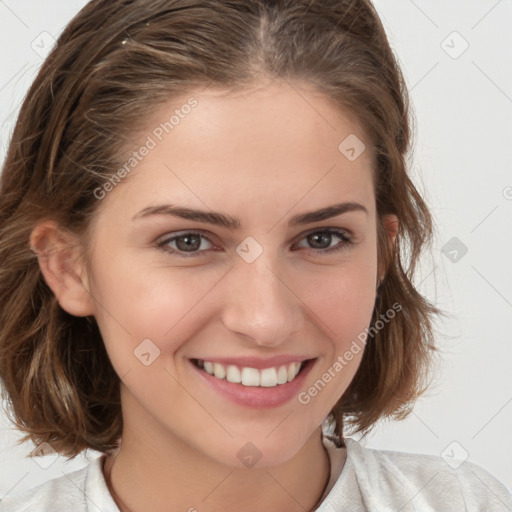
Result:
[163,473]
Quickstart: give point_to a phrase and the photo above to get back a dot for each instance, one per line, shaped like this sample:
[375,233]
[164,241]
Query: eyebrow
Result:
[226,221]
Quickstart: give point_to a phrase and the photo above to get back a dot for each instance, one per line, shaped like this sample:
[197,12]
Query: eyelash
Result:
[346,241]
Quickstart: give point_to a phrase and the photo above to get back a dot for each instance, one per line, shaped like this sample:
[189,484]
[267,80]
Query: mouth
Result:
[253,377]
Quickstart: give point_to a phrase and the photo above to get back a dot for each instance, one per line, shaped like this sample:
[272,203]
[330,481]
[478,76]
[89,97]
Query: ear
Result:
[391,225]
[60,260]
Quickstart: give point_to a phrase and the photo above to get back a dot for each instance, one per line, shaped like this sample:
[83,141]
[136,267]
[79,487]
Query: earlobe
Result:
[61,264]
[391,225]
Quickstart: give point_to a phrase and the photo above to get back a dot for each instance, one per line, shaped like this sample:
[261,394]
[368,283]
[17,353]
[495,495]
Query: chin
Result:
[264,449]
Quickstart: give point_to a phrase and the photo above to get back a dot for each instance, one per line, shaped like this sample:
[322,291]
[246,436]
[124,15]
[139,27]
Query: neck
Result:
[149,475]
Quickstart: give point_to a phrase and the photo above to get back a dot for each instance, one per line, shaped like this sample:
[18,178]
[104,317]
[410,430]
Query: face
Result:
[251,284]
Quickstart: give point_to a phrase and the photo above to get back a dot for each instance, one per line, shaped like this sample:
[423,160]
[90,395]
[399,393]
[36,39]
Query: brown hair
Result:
[114,63]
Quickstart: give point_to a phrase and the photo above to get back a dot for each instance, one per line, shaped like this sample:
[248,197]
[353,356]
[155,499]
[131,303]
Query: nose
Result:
[260,304]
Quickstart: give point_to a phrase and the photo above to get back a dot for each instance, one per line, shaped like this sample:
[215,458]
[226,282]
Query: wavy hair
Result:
[114,64]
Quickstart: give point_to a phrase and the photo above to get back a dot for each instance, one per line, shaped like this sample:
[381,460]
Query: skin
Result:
[262,155]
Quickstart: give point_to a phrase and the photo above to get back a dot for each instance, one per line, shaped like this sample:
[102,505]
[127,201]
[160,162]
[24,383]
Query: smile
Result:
[252,377]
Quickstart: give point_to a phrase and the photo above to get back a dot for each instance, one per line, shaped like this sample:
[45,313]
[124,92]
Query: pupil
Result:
[315,240]
[191,242]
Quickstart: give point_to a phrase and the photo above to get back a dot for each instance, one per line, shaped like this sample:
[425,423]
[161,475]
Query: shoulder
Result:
[391,480]
[427,480]
[56,495]
[78,491]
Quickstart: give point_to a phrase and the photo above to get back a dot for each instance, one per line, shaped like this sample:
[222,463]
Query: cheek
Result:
[152,302]
[342,299]
[341,306]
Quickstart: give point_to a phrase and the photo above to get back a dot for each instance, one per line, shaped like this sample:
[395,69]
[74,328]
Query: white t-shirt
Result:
[362,480]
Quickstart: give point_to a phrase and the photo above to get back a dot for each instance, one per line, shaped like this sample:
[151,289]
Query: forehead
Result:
[275,142]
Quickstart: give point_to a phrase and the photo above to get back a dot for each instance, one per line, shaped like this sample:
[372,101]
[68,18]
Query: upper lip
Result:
[256,362]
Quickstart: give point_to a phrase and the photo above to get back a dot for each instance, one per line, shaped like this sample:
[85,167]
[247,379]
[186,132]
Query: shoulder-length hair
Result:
[114,64]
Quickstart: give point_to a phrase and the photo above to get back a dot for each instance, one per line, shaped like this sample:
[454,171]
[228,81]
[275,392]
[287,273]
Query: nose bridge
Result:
[259,302]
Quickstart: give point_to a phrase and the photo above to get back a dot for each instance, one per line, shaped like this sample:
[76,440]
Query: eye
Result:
[321,241]
[187,242]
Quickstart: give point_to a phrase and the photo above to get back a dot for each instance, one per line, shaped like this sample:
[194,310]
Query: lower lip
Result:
[256,397]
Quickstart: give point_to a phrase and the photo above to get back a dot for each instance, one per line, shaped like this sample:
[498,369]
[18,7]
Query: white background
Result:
[462,164]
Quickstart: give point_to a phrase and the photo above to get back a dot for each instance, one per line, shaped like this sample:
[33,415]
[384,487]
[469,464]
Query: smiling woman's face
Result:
[253,281]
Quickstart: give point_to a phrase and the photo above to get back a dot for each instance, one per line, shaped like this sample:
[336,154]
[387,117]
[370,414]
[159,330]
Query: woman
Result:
[204,212]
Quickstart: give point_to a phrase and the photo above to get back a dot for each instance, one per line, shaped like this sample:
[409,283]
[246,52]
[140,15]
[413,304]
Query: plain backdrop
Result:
[457,59]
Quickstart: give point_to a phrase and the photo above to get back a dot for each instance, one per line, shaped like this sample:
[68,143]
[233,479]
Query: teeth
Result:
[268,377]
[250,377]
[282,375]
[219,371]
[233,375]
[293,369]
